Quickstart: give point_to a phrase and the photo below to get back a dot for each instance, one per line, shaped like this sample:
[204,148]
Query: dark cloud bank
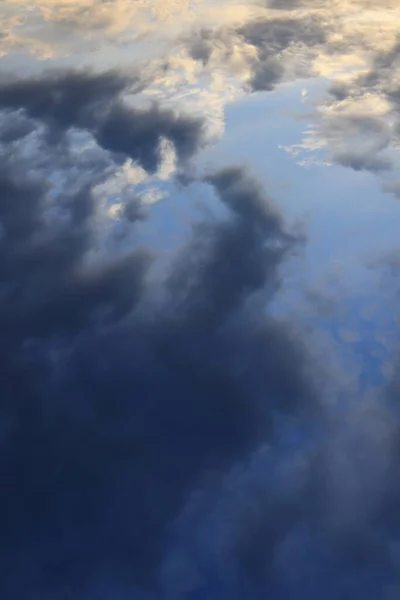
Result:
[166,441]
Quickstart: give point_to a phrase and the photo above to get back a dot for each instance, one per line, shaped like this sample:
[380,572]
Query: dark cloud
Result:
[134,209]
[62,100]
[170,442]
[381,68]
[94,103]
[271,37]
[274,35]
[202,43]
[267,75]
[362,162]
[138,133]
[339,90]
[114,403]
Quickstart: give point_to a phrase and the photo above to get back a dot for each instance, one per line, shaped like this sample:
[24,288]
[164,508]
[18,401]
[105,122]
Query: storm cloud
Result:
[93,103]
[115,404]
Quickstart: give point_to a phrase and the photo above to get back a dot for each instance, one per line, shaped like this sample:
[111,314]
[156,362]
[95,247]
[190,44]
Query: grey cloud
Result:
[339,90]
[270,38]
[377,79]
[45,289]
[267,75]
[202,43]
[62,100]
[284,4]
[364,139]
[134,209]
[137,133]
[113,403]
[362,162]
[249,249]
[275,35]
[356,141]
[381,69]
[92,102]
[15,128]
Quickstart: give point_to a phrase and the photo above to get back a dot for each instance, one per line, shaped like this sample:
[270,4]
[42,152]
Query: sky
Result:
[199,300]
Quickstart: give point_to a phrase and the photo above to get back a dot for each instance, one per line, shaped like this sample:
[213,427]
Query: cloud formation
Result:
[163,435]
[93,103]
[115,403]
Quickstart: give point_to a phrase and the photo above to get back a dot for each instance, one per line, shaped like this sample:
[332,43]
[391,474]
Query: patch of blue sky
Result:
[348,219]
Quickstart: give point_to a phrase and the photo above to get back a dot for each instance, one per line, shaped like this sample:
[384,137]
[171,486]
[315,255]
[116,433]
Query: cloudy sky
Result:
[199,283]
